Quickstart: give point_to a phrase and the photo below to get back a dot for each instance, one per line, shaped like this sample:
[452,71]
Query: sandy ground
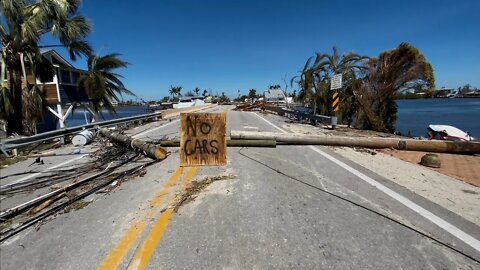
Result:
[462,167]
[451,193]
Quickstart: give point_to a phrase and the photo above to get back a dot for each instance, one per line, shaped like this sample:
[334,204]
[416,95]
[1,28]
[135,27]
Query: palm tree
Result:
[178,91]
[102,84]
[172,91]
[175,91]
[252,94]
[197,90]
[205,93]
[314,79]
[352,66]
[401,68]
[276,86]
[25,22]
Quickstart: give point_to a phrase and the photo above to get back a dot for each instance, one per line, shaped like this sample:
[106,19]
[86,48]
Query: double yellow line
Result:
[145,251]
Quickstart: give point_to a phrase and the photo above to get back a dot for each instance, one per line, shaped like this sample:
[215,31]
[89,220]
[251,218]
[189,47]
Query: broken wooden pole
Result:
[252,143]
[366,142]
[230,143]
[150,150]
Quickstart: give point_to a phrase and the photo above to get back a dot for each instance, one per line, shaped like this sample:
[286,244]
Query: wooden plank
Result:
[203,139]
[51,93]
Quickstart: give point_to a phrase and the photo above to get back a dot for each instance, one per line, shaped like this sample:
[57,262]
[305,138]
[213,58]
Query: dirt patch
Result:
[462,167]
[5,162]
[194,188]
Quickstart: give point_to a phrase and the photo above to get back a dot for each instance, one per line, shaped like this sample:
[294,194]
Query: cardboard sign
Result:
[203,139]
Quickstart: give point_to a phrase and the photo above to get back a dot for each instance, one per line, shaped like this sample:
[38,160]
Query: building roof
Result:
[54,54]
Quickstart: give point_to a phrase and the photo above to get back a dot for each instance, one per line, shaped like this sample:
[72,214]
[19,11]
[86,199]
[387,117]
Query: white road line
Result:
[46,170]
[463,236]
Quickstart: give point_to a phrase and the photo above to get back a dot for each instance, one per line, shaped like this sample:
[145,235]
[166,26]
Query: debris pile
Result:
[251,107]
[150,150]
[64,189]
[195,187]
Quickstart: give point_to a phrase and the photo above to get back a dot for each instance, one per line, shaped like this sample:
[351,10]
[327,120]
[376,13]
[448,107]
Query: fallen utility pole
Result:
[231,143]
[150,150]
[374,143]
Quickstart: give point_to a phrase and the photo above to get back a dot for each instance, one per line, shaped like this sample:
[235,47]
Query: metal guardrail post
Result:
[333,122]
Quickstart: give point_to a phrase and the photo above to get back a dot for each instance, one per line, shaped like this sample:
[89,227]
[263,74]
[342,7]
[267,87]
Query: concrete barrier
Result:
[169,113]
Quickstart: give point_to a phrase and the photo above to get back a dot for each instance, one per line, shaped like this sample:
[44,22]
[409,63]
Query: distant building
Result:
[445,92]
[274,95]
[185,102]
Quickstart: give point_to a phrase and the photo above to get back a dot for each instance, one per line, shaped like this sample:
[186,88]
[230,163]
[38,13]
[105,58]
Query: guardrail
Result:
[13,143]
[329,120]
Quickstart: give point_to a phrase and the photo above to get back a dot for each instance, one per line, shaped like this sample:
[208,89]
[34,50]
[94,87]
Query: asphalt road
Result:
[296,207]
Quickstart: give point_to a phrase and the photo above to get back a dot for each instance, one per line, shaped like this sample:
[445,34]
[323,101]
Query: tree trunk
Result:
[2,71]
[150,150]
[15,119]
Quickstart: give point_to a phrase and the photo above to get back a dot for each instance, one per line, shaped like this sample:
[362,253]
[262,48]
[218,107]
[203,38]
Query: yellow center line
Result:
[117,254]
[144,253]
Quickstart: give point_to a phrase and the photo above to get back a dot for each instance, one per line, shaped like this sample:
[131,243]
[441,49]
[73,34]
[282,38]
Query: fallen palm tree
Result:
[452,147]
[148,149]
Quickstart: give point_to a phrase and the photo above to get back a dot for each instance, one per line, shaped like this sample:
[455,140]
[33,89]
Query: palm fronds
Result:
[101,84]
[21,29]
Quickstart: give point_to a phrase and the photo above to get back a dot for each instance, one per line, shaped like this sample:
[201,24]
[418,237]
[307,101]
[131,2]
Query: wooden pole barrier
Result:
[231,143]
[457,147]
[150,150]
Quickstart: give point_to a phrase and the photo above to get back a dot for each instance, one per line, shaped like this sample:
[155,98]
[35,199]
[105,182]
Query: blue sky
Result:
[229,45]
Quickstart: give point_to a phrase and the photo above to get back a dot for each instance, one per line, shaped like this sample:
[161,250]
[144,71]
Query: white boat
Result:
[450,133]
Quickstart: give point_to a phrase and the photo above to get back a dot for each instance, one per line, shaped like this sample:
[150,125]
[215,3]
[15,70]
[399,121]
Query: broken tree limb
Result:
[22,207]
[231,143]
[150,150]
[46,203]
[374,143]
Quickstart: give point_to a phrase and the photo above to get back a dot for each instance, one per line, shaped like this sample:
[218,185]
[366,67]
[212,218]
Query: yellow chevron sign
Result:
[335,102]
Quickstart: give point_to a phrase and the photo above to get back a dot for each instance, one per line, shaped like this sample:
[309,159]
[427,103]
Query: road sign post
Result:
[203,139]
[335,84]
